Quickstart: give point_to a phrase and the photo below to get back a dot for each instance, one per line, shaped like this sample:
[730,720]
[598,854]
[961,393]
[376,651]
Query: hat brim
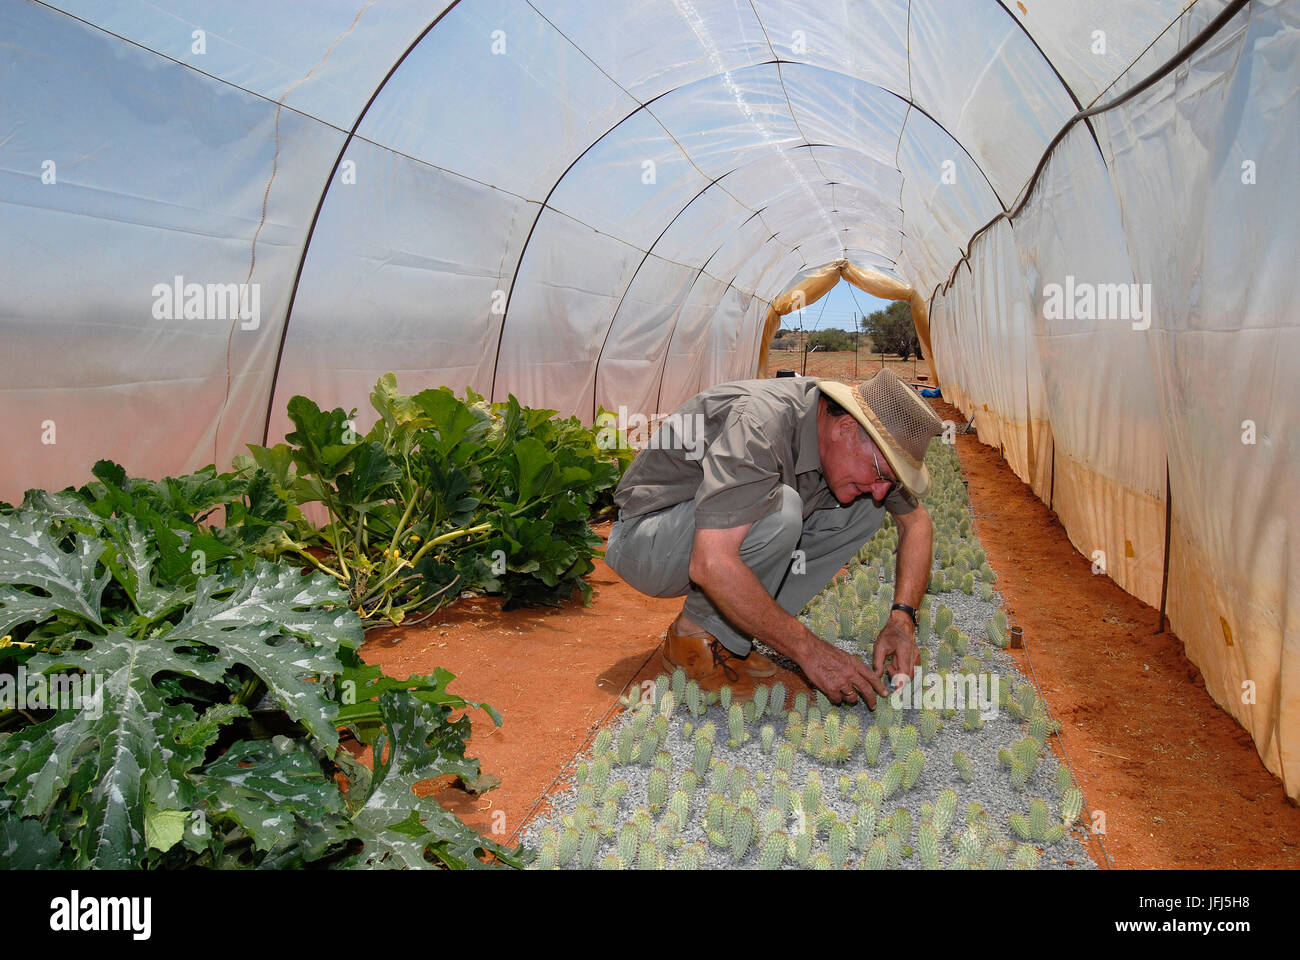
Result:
[915,481]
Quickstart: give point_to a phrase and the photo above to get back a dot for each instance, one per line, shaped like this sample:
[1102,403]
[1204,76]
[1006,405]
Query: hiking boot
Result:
[708,663]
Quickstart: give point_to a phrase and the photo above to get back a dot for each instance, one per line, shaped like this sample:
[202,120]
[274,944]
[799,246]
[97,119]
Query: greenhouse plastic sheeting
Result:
[1193,194]
[596,205]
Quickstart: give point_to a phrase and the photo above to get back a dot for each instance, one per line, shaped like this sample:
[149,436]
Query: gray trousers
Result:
[793,558]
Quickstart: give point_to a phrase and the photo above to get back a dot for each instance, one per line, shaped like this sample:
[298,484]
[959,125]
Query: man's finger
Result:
[872,680]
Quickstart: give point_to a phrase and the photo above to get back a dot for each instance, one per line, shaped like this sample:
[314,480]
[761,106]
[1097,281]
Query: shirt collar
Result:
[807,457]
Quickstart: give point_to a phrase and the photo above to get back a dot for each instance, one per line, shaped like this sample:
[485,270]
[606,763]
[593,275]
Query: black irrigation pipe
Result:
[1210,29]
[1164,575]
[320,204]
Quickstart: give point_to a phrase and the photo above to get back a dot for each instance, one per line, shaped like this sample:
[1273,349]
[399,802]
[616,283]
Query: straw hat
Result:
[898,420]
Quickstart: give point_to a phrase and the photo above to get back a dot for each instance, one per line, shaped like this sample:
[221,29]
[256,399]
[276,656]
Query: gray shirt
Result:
[730,448]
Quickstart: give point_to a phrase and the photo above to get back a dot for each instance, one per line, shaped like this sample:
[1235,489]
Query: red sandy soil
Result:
[1179,781]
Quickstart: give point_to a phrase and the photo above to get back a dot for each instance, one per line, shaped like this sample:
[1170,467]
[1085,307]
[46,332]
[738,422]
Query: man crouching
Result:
[791,478]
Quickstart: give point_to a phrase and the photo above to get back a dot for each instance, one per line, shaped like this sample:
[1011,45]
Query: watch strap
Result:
[910,611]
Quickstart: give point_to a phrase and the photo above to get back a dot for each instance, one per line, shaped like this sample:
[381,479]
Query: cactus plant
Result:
[736,725]
[927,844]
[776,701]
[945,808]
[801,703]
[773,851]
[913,766]
[877,856]
[892,779]
[871,744]
[928,725]
[1071,805]
[587,849]
[657,789]
[864,821]
[962,763]
[694,699]
[626,745]
[703,753]
[629,841]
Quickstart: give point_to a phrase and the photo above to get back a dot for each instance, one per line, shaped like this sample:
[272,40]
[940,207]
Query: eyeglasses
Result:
[880,477]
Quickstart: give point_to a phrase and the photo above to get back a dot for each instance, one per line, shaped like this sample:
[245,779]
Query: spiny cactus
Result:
[773,819]
[719,776]
[667,704]
[844,785]
[776,701]
[894,845]
[813,739]
[773,851]
[871,744]
[1038,815]
[608,817]
[584,814]
[812,792]
[904,742]
[714,807]
[1041,726]
[781,797]
[615,791]
[1026,858]
[548,857]
[742,833]
[748,798]
[587,849]
[785,757]
[943,660]
[927,844]
[629,841]
[877,856]
[604,740]
[678,684]
[736,725]
[864,821]
[902,823]
[942,620]
[690,782]
[814,716]
[838,845]
[647,857]
[892,779]
[962,763]
[802,852]
[626,745]
[767,737]
[692,857]
[694,699]
[647,748]
[1027,750]
[973,721]
[969,846]
[657,789]
[703,753]
[680,805]
[913,766]
[928,724]
[1071,805]
[598,774]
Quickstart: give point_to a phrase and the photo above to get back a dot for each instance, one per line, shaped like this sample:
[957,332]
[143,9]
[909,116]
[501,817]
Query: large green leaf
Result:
[400,829]
[272,620]
[30,557]
[120,741]
[274,789]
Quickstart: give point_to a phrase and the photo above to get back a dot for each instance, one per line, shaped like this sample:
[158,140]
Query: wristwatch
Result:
[910,611]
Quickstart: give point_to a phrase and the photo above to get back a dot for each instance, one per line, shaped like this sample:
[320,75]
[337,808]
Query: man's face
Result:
[846,455]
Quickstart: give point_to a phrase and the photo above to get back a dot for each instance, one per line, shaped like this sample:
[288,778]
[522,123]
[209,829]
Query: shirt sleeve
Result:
[900,501]
[742,476]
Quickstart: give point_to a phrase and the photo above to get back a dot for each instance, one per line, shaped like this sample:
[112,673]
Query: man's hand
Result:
[896,641]
[841,676]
